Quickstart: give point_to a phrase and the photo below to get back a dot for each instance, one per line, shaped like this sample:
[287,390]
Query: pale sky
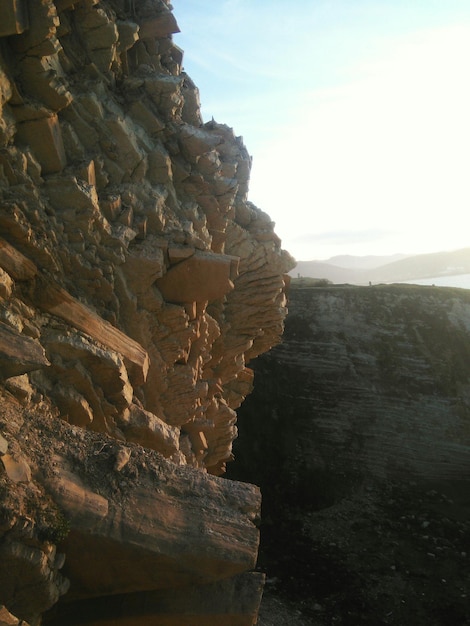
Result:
[356,113]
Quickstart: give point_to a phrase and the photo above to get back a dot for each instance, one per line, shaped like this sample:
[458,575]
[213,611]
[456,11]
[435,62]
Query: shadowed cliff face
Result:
[358,434]
[136,282]
[369,382]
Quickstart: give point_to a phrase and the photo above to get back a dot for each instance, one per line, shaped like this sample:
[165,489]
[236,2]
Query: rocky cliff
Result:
[361,417]
[136,282]
[370,382]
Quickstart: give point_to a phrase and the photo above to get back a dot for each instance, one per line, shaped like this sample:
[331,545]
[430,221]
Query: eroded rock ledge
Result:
[136,282]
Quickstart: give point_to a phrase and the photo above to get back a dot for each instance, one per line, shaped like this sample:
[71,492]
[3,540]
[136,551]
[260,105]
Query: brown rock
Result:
[42,79]
[131,253]
[149,431]
[173,527]
[201,277]
[73,406]
[14,18]
[146,118]
[30,584]
[17,470]
[230,602]
[20,387]
[40,37]
[144,265]
[83,506]
[3,445]
[6,284]
[57,301]
[15,263]
[19,354]
[176,254]
[7,619]
[162,25]
[45,139]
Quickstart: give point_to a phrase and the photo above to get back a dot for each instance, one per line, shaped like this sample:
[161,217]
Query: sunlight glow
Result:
[372,158]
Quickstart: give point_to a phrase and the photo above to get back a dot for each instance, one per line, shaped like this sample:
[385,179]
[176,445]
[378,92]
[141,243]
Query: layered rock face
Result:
[136,282]
[370,384]
[361,419]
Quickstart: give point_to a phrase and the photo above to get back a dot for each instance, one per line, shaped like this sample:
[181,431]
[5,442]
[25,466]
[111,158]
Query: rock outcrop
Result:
[136,282]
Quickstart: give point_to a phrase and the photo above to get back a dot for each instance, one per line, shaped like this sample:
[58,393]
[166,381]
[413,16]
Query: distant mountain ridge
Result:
[349,261]
[386,269]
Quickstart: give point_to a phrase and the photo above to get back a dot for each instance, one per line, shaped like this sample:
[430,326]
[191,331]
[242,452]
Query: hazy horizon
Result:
[395,254]
[356,115]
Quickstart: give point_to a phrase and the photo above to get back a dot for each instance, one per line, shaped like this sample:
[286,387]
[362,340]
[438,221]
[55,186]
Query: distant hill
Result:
[363,262]
[396,268]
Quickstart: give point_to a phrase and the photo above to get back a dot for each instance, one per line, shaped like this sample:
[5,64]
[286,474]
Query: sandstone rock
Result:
[83,506]
[19,354]
[146,118]
[128,34]
[145,428]
[15,263]
[45,139]
[131,257]
[200,278]
[162,527]
[144,265]
[20,387]
[39,38]
[3,445]
[43,81]
[56,300]
[160,26]
[17,470]
[74,407]
[6,284]
[7,619]
[30,585]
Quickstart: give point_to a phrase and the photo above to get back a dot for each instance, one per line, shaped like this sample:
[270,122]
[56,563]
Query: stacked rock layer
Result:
[136,282]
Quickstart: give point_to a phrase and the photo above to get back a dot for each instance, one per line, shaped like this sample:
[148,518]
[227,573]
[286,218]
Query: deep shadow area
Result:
[349,537]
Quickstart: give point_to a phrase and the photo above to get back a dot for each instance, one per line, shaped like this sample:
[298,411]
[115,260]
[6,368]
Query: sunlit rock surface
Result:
[136,282]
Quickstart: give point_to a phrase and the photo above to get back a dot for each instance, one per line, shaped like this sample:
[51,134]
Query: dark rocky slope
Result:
[359,434]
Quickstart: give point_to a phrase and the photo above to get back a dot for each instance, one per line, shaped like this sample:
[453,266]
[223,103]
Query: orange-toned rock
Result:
[57,301]
[18,353]
[132,259]
[201,277]
[17,470]
[145,428]
[15,263]
[144,265]
[169,528]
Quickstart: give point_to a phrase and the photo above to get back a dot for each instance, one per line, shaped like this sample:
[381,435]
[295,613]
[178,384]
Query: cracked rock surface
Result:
[136,283]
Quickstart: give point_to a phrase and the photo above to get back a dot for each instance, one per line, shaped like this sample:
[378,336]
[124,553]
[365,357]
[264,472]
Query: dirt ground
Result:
[391,555]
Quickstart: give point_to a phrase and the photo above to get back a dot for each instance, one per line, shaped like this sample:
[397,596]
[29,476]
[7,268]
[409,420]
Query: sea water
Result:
[459,280]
